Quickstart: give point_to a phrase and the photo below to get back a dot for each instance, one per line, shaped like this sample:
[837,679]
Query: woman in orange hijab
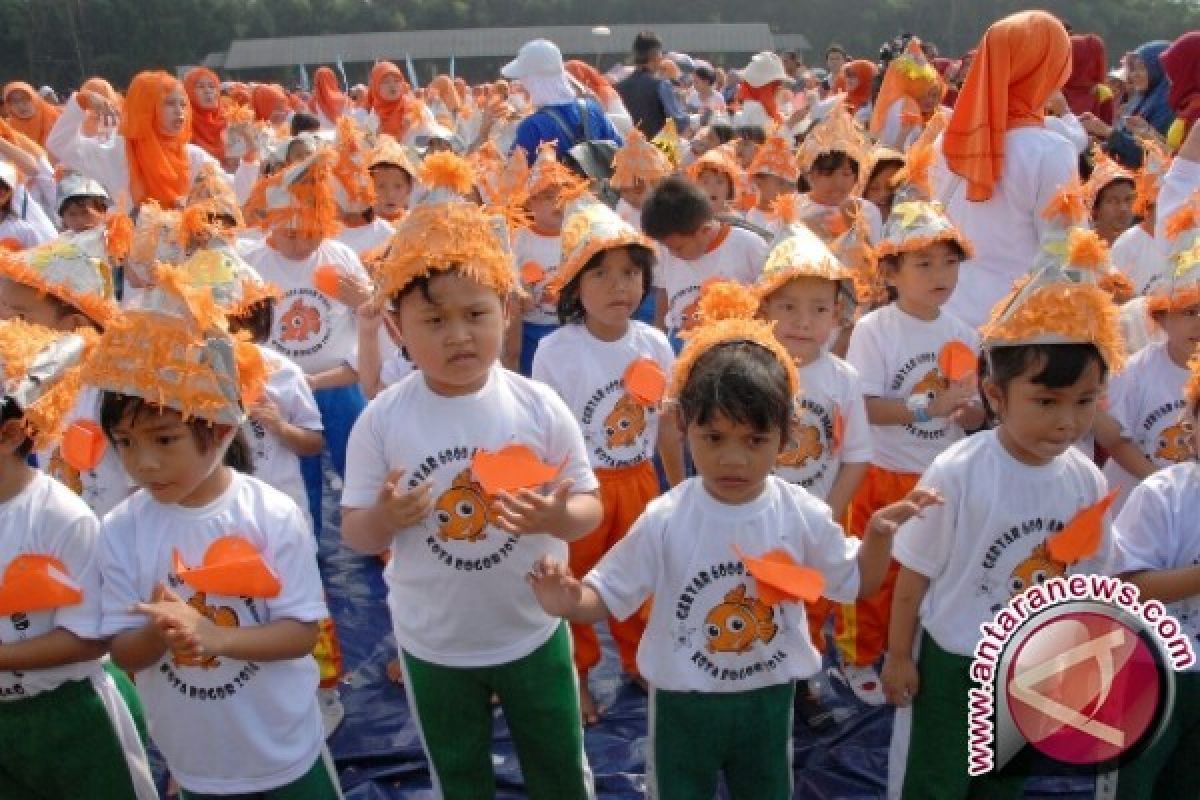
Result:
[93,125]
[328,101]
[386,92]
[28,112]
[856,79]
[270,103]
[203,89]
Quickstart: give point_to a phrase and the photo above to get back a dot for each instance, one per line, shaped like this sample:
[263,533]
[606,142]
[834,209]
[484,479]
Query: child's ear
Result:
[12,436]
[994,395]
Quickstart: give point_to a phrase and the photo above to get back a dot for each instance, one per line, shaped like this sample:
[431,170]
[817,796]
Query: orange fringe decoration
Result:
[118,234]
[1086,249]
[1067,203]
[99,310]
[20,344]
[447,171]
[1184,219]
[1059,312]
[785,209]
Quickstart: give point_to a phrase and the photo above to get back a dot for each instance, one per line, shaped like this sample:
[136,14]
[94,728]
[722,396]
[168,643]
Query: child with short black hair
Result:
[830,158]
[719,175]
[82,203]
[774,174]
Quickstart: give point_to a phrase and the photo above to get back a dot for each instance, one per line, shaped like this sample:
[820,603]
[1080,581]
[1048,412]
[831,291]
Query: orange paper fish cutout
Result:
[957,361]
[1080,538]
[780,579]
[839,430]
[511,468]
[645,381]
[327,279]
[532,273]
[83,444]
[232,567]
[37,583]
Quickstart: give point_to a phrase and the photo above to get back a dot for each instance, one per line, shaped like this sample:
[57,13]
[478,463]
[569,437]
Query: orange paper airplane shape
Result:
[957,361]
[645,381]
[511,468]
[37,583]
[232,567]
[780,579]
[1080,538]
[83,444]
[328,281]
[532,273]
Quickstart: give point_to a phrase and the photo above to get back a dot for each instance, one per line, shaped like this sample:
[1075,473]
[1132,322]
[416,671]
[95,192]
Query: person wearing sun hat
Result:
[758,91]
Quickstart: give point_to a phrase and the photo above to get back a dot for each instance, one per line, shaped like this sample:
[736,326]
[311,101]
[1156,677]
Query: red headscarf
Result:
[44,116]
[1181,64]
[864,73]
[158,164]
[389,112]
[328,97]
[208,124]
[1021,61]
[266,99]
[1085,90]
[590,77]
[764,95]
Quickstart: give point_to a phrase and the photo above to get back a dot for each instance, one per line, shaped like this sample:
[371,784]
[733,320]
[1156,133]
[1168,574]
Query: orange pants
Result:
[860,629]
[625,493]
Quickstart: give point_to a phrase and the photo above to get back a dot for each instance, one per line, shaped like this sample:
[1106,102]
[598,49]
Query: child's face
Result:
[82,215]
[162,455]
[392,189]
[19,301]
[390,87]
[803,311]
[1182,329]
[172,112]
[19,104]
[691,246]
[717,186]
[879,189]
[746,149]
[546,212]
[636,194]
[291,245]
[834,187]
[770,188]
[930,99]
[207,92]
[455,339]
[612,290]
[926,278]
[733,459]
[1038,423]
[1113,211]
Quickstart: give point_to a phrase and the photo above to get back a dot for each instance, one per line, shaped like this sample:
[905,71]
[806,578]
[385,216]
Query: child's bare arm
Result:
[343,375]
[561,594]
[300,441]
[370,530]
[888,411]
[1166,585]
[560,514]
[1127,455]
[670,446]
[875,555]
[370,359]
[899,671]
[135,650]
[844,486]
[53,649]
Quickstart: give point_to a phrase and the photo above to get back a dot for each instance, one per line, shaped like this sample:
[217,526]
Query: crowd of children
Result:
[764,417]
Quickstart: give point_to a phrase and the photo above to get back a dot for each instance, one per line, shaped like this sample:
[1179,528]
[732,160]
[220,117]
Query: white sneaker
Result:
[865,683]
[332,710]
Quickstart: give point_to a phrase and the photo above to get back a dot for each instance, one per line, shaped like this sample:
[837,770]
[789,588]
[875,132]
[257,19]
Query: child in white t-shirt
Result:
[831,159]
[211,591]
[638,167]
[720,177]
[716,653]
[363,229]
[598,362]
[774,174]
[423,452]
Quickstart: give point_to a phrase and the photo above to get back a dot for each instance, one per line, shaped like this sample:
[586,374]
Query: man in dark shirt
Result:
[650,100]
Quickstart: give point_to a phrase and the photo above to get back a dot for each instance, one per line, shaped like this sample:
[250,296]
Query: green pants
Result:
[540,699]
[697,736]
[936,768]
[1167,768]
[63,743]
[319,783]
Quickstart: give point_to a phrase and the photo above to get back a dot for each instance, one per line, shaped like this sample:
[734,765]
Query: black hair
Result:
[831,162]
[723,131]
[743,382]
[570,302]
[256,320]
[645,43]
[1100,194]
[707,73]
[419,283]
[10,410]
[115,407]
[1057,366]
[754,133]
[675,206]
[97,203]
[893,161]
[303,123]
[890,263]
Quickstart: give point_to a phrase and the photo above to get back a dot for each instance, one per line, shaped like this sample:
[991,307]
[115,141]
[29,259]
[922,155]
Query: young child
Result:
[698,247]
[878,189]
[392,174]
[67,730]
[16,231]
[82,203]
[719,176]
[830,158]
[1007,491]
[414,485]
[607,269]
[1136,252]
[354,188]
[1110,195]
[719,659]
[915,409]
[774,174]
[638,167]
[210,576]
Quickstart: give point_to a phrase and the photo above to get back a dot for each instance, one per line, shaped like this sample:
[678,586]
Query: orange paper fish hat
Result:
[776,158]
[728,313]
[836,133]
[722,159]
[1177,285]
[444,231]
[173,350]
[799,253]
[389,152]
[74,269]
[590,228]
[352,186]
[916,224]
[1104,172]
[1146,181]
[215,195]
[1061,301]
[159,235]
[639,160]
[299,197]
[550,173]
[236,286]
[40,370]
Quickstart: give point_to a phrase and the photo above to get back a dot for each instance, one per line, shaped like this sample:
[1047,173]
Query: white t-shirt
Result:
[546,251]
[1140,256]
[829,390]
[896,356]
[224,726]
[316,332]
[1157,530]
[587,373]
[395,368]
[708,630]
[630,214]
[274,463]
[736,255]
[985,544]
[1006,229]
[455,581]
[1182,178]
[103,487]
[47,519]
[362,238]
[764,220]
[1146,398]
[1137,329]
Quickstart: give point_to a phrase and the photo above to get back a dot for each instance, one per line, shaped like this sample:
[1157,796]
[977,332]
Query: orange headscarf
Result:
[390,112]
[764,95]
[1022,60]
[91,123]
[328,97]
[208,124]
[158,164]
[864,73]
[267,99]
[44,116]
[908,78]
[15,137]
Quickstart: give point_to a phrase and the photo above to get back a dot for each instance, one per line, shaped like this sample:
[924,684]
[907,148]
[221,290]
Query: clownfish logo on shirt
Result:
[221,616]
[1017,559]
[1175,443]
[738,622]
[804,459]
[625,423]
[1035,570]
[916,377]
[463,511]
[64,473]
[1166,435]
[616,427]
[302,322]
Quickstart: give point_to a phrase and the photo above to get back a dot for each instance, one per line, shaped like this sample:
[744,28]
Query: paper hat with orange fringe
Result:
[836,133]
[210,199]
[639,160]
[443,231]
[40,369]
[549,173]
[723,160]
[159,236]
[503,182]
[877,155]
[173,350]
[1061,301]
[390,153]
[236,286]
[73,269]
[1146,181]
[299,197]
[728,313]
[1177,285]
[914,181]
[590,228]
[352,186]
[799,253]
[1104,172]
[776,158]
[916,224]
[1066,212]
[668,142]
